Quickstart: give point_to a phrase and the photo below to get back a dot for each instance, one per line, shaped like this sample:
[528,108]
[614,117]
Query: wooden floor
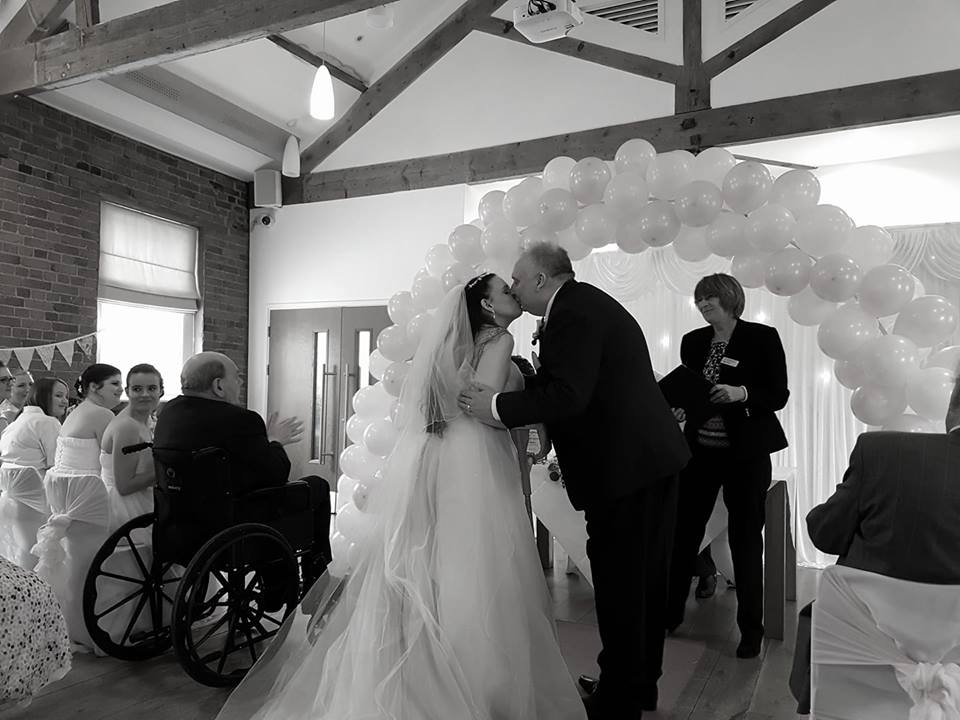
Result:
[703,679]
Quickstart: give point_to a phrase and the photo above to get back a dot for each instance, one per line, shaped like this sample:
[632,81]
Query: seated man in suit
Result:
[209,414]
[894,514]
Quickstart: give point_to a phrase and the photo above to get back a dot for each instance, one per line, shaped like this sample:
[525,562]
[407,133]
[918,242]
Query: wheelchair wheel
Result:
[127,597]
[220,622]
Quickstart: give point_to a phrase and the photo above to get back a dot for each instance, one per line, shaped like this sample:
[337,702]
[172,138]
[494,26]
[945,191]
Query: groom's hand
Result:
[476,401]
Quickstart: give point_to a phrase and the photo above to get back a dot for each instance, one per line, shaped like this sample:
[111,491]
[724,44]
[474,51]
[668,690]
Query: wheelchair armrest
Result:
[272,502]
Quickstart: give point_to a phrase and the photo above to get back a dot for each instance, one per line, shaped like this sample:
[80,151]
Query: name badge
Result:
[730,362]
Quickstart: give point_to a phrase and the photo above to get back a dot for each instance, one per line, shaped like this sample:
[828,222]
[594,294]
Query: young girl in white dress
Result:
[129,478]
[446,614]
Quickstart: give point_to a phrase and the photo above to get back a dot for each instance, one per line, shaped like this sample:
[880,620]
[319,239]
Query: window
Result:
[148,295]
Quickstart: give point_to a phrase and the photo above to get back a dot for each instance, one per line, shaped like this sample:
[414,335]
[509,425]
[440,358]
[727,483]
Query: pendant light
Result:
[291,157]
[321,94]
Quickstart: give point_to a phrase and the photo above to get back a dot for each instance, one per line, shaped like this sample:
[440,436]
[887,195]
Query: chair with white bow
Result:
[884,648]
[23,509]
[77,527]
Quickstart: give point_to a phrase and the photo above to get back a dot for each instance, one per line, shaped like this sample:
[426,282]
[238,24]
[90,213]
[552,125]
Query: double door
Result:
[319,358]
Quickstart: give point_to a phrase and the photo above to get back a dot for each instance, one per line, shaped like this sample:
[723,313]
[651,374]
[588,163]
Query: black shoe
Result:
[706,587]
[589,684]
[593,705]
[749,648]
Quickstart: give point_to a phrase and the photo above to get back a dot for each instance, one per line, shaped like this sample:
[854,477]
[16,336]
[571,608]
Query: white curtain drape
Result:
[657,288]
[147,260]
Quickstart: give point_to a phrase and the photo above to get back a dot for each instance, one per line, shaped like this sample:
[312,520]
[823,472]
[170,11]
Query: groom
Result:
[620,450]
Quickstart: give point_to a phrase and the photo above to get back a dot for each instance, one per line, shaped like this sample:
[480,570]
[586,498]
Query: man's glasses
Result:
[6,380]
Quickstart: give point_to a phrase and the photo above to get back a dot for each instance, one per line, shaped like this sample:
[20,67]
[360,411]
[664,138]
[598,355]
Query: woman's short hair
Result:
[144,369]
[96,374]
[41,394]
[474,291]
[726,288]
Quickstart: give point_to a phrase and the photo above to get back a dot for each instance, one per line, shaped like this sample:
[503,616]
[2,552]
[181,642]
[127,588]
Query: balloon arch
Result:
[837,276]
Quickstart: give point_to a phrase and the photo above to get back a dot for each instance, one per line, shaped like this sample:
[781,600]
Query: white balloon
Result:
[359,463]
[394,376]
[521,203]
[769,228]
[668,172]
[747,186]
[626,194]
[823,230]
[849,373]
[888,360]
[712,165]
[809,309]
[698,203]
[438,259]
[427,292]
[400,307]
[457,274]
[464,244]
[380,437]
[569,241]
[556,173]
[588,180]
[393,343]
[634,156]
[691,244]
[796,190]
[417,326]
[928,392]
[948,357]
[835,277]
[788,272]
[750,269]
[361,497]
[354,524]
[372,402]
[556,209]
[845,331]
[378,363]
[927,320]
[657,224]
[911,423]
[535,235]
[596,226]
[875,405]
[724,235]
[491,207]
[500,240]
[886,290]
[355,427]
[869,246]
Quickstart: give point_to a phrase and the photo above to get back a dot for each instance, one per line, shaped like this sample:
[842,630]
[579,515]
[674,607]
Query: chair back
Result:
[884,648]
[193,500]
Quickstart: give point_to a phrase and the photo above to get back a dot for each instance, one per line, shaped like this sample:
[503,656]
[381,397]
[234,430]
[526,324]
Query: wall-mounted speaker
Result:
[266,189]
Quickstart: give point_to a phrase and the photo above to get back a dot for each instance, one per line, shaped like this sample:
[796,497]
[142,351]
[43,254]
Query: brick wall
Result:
[54,171]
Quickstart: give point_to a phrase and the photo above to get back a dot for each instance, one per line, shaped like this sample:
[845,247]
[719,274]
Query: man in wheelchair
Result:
[208,414]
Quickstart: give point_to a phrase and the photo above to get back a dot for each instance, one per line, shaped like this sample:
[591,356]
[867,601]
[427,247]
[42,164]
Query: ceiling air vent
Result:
[640,14]
[732,8]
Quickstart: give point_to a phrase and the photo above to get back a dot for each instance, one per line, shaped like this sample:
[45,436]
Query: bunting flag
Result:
[46,354]
[24,355]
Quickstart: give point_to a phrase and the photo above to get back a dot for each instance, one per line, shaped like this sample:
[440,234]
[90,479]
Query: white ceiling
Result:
[493,84]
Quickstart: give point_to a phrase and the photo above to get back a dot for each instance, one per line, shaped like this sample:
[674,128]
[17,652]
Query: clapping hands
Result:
[286,431]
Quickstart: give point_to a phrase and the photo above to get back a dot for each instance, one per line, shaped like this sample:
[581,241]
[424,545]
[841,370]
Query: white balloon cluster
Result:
[871,320]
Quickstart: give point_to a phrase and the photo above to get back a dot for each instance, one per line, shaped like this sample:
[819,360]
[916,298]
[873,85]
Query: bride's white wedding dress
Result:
[447,615]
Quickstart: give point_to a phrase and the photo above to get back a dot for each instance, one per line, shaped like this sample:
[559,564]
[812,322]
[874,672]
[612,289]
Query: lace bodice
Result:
[484,337]
[78,456]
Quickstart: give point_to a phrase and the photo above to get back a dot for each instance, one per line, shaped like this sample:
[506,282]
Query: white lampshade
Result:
[291,157]
[321,95]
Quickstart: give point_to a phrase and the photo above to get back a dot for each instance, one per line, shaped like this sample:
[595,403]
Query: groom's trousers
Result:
[629,545]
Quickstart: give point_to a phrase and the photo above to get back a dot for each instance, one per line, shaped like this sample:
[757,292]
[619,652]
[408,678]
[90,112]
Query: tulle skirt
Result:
[446,616]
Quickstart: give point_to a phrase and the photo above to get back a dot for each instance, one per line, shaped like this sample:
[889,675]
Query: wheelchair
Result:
[223,572]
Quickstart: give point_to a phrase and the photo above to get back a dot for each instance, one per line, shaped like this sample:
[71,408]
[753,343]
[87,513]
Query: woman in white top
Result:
[79,508]
[19,392]
[27,450]
[129,478]
[6,383]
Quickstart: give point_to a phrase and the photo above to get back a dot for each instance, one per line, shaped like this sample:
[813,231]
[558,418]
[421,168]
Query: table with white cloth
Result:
[568,526]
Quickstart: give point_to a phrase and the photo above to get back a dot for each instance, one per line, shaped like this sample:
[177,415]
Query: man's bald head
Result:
[211,375]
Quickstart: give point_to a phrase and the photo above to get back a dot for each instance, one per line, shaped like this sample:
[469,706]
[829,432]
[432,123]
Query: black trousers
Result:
[744,483]
[629,542]
[320,505]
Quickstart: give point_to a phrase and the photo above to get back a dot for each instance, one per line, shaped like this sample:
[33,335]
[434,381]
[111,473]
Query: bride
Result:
[446,614]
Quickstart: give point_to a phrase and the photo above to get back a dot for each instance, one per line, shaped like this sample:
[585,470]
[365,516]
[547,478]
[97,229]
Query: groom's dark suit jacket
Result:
[596,392]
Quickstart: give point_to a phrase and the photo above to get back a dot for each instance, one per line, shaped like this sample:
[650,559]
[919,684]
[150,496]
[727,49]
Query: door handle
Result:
[346,403]
[323,415]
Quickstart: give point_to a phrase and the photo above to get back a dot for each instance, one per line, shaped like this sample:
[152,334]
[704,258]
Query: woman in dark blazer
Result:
[731,437]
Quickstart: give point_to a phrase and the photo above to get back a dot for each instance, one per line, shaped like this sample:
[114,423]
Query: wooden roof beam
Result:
[336,69]
[160,34]
[34,20]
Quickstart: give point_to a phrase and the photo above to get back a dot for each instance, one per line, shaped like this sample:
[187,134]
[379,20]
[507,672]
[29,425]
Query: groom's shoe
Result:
[648,696]
[588,683]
